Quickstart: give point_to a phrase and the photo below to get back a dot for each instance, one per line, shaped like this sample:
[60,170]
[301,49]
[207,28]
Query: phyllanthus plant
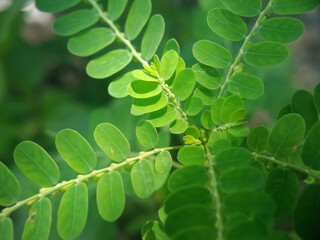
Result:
[229,182]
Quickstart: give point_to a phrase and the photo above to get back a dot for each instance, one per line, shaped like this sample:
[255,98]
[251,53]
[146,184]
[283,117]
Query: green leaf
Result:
[163,116]
[152,36]
[142,179]
[191,155]
[317,97]
[266,54]
[111,140]
[231,105]
[75,22]
[226,24]
[53,6]
[108,64]
[138,16]
[205,95]
[188,176]
[91,41]
[38,223]
[219,145]
[283,186]
[211,54]
[147,105]
[9,188]
[258,139]
[294,6]
[306,218]
[153,230]
[246,86]
[216,110]
[163,162]
[6,229]
[116,8]
[303,104]
[73,211]
[247,230]
[201,233]
[246,8]
[147,134]
[144,89]
[160,178]
[183,84]
[286,134]
[238,131]
[283,29]
[172,44]
[207,76]
[232,158]
[118,87]
[241,179]
[206,120]
[76,151]
[311,148]
[36,164]
[110,196]
[168,64]
[178,126]
[145,76]
[193,106]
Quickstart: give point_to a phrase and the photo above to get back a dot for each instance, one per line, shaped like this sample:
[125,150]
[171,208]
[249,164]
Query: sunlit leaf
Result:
[231,104]
[163,116]
[206,120]
[147,134]
[143,89]
[238,131]
[191,155]
[148,105]
[207,76]
[118,87]
[168,64]
[143,75]
[183,84]
[55,5]
[172,44]
[178,126]
[9,188]
[116,8]
[163,162]
[294,6]
[193,106]
[246,8]
[142,179]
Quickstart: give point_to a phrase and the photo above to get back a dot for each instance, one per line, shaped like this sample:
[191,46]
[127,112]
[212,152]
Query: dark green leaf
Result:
[118,87]
[219,145]
[147,134]
[148,105]
[163,116]
[246,8]
[294,6]
[178,126]
[193,106]
[201,233]
[142,179]
[247,231]
[53,6]
[207,76]
[317,97]
[311,148]
[153,230]
[9,188]
[168,64]
[191,155]
[163,162]
[258,138]
[6,229]
[183,84]
[116,8]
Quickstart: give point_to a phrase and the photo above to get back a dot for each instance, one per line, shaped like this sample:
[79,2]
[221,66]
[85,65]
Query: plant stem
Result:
[245,45]
[46,191]
[287,165]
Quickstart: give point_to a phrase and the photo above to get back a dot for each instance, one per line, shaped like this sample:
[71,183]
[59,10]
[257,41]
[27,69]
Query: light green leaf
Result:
[258,139]
[110,196]
[147,105]
[91,41]
[183,84]
[219,145]
[226,24]
[53,6]
[266,54]
[108,64]
[116,8]
[216,110]
[283,186]
[118,87]
[38,223]
[207,76]
[211,54]
[147,134]
[111,140]
[311,148]
[191,155]
[178,126]
[73,211]
[284,29]
[143,75]
[152,36]
[188,176]
[232,104]
[138,16]
[143,89]
[9,188]
[75,22]
[294,6]
[206,120]
[238,131]
[205,95]
[163,116]
[142,179]
[163,162]
[246,8]
[246,86]
[171,44]
[238,115]
[76,151]
[36,164]
[193,106]
[168,64]
[286,133]
[6,229]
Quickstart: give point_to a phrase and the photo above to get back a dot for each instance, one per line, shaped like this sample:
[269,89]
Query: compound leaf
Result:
[207,76]
[142,179]
[116,8]
[294,6]
[147,134]
[311,148]
[183,84]
[6,228]
[53,6]
[191,155]
[246,8]
[10,189]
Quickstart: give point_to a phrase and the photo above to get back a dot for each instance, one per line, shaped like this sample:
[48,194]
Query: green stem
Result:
[245,45]
[46,191]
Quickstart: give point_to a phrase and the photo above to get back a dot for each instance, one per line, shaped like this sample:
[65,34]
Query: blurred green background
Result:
[43,89]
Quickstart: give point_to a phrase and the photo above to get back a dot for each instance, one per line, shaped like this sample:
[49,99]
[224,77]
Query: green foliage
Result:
[10,188]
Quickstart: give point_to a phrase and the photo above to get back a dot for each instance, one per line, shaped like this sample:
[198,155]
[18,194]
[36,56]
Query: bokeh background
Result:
[43,89]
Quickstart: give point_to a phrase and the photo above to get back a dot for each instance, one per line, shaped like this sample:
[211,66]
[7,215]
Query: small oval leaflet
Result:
[109,63]
[183,84]
[6,229]
[110,196]
[163,162]
[282,29]
[258,138]
[226,24]
[293,6]
[168,64]
[38,224]
[143,89]
[147,134]
[75,22]
[111,140]
[246,8]
[53,6]
[91,41]
[143,75]
[191,155]
[211,54]
[207,76]
[266,54]
[216,110]
[73,211]
[116,8]
[206,120]
[36,164]
[148,105]
[193,106]
[311,148]
[246,86]
[118,87]
[10,189]
[231,105]
[142,179]
[171,44]
[153,230]
[163,116]
[178,126]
